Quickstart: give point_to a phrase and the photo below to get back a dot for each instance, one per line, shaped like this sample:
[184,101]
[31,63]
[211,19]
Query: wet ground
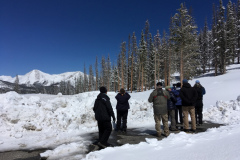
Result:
[133,136]
[137,135]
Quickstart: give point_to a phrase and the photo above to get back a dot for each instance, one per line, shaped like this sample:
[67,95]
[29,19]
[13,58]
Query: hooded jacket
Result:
[122,101]
[159,101]
[102,108]
[188,95]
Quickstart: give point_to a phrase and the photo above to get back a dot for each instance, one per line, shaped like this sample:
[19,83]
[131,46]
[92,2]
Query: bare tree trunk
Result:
[132,75]
[142,79]
[224,64]
[165,73]
[155,72]
[169,66]
[114,86]
[122,75]
[158,73]
[139,77]
[118,80]
[181,66]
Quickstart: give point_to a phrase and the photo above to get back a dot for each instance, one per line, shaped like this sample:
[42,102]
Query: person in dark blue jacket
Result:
[178,104]
[171,108]
[122,110]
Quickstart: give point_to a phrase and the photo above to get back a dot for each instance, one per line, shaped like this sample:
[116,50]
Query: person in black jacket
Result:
[189,97]
[103,112]
[122,109]
[199,104]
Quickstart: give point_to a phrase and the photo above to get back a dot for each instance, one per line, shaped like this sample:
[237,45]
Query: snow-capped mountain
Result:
[37,76]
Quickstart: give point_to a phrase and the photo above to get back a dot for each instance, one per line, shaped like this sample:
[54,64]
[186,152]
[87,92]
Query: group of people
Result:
[168,104]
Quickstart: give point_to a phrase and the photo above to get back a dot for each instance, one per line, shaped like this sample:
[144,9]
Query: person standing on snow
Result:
[122,110]
[199,103]
[171,108]
[103,112]
[189,97]
[159,98]
[178,104]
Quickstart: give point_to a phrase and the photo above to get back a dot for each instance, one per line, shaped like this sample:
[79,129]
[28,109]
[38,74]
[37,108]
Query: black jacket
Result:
[122,101]
[103,108]
[188,95]
[199,90]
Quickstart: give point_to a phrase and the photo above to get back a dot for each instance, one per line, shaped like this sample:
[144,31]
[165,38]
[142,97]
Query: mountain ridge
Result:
[37,76]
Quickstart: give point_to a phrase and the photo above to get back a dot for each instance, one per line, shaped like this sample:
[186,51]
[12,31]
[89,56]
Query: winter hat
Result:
[197,81]
[168,87]
[103,89]
[185,81]
[122,91]
[178,84]
[159,84]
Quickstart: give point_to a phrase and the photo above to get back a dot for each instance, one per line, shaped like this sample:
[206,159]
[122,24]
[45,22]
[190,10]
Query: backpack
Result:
[160,93]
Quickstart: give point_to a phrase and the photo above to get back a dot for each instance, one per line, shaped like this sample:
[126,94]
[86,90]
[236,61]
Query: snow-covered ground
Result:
[60,122]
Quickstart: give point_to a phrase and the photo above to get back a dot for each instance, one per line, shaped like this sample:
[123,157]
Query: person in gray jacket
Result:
[159,98]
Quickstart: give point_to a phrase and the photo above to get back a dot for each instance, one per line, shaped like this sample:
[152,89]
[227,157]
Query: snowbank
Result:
[59,123]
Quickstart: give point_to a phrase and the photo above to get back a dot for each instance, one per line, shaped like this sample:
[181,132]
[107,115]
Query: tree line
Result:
[182,50]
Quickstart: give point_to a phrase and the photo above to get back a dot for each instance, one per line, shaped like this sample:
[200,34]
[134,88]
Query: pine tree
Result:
[210,56]
[238,32]
[103,72]
[157,46]
[151,68]
[231,29]
[133,61]
[221,38]
[147,73]
[123,64]
[204,48]
[142,58]
[184,35]
[96,74]
[128,62]
[108,73]
[215,43]
[164,54]
[118,71]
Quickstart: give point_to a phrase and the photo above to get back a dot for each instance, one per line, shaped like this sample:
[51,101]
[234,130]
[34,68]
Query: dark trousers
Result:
[105,129]
[171,115]
[179,111]
[122,118]
[198,114]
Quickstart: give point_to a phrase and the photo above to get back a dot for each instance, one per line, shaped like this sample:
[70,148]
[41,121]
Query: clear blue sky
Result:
[57,36]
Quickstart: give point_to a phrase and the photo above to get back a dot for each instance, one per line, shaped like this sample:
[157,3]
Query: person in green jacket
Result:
[159,99]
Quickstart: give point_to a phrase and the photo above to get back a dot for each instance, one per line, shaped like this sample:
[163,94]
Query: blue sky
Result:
[57,36]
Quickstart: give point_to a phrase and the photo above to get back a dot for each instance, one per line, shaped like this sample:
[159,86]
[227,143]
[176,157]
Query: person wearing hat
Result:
[159,99]
[103,112]
[122,110]
[189,96]
[199,103]
[171,108]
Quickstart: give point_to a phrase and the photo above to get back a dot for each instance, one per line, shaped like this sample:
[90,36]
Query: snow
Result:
[62,124]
